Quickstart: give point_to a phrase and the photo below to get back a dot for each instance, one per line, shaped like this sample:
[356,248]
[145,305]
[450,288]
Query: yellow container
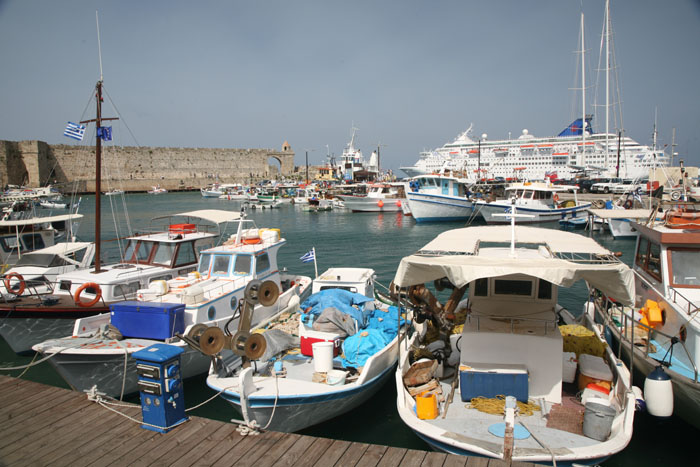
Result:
[426,405]
[654,315]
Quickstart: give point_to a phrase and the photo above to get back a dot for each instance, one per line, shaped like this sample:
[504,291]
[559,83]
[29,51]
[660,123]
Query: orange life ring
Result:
[555,197]
[98,294]
[252,241]
[22,283]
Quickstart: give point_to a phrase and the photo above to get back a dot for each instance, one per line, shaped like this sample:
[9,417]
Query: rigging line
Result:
[104,90]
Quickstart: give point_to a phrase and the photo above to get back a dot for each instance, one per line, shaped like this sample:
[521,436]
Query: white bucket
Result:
[323,356]
[335,377]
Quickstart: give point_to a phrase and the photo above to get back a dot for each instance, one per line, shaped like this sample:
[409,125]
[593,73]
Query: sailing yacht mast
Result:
[607,81]
[583,96]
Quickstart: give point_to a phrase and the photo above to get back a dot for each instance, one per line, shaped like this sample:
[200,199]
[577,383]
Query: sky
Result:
[409,75]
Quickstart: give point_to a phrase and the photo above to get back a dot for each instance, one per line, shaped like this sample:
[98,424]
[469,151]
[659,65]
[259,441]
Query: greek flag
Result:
[308,257]
[75,131]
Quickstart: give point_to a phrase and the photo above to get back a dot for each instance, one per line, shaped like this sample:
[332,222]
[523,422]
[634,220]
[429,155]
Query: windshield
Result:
[41,259]
[684,270]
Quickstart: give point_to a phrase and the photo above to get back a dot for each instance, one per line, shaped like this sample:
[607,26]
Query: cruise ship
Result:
[572,152]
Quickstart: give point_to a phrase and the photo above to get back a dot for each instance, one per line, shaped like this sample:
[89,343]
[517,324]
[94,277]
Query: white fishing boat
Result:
[298,382]
[114,192]
[505,374]
[157,190]
[436,197]
[380,197]
[662,330]
[99,349]
[539,200]
[303,195]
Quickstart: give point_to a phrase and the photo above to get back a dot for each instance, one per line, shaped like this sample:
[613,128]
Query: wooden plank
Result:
[393,456]
[298,450]
[138,438]
[323,452]
[413,458]
[476,461]
[249,456]
[212,441]
[372,455]
[278,450]
[29,408]
[234,440]
[453,460]
[191,443]
[352,454]
[434,459]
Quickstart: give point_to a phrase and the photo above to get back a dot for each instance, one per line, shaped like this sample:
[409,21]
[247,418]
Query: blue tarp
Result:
[385,321]
[341,299]
[359,347]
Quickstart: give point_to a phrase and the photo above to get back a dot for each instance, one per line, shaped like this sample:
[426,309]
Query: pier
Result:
[46,425]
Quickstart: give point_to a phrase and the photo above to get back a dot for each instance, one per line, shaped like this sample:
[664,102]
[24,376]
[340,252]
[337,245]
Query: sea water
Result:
[344,239]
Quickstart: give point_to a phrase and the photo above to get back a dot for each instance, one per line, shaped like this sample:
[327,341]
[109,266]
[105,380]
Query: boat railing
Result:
[690,308]
[628,326]
[514,320]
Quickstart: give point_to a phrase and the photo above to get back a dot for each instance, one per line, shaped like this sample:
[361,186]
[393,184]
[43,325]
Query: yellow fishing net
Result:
[579,339]
[496,406]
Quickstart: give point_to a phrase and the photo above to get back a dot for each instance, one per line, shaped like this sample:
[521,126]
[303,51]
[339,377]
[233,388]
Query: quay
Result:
[46,425]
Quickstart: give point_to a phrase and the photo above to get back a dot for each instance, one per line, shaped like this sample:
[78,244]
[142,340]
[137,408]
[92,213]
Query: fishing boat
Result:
[501,359]
[114,192]
[380,197]
[170,248]
[437,197]
[318,364]
[157,190]
[662,329]
[539,200]
[98,352]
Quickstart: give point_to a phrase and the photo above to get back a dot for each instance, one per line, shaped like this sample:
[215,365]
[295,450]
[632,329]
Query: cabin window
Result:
[242,265]
[220,265]
[513,287]
[125,291]
[642,251]
[684,267]
[33,242]
[185,255]
[481,287]
[138,252]
[544,290]
[654,260]
[164,254]
[204,262]
[262,263]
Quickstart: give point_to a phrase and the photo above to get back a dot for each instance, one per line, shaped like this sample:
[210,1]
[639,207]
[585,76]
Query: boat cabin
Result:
[439,185]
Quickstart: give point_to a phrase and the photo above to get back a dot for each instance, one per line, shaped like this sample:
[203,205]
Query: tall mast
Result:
[583,96]
[607,78]
[98,176]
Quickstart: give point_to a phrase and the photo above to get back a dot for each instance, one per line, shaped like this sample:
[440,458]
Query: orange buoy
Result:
[380,203]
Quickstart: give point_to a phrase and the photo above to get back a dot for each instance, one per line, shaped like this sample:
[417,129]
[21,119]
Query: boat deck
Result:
[46,425]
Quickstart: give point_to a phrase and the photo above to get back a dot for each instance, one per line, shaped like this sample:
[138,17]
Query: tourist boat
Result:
[303,195]
[170,250]
[539,200]
[380,197]
[175,307]
[211,191]
[157,190]
[436,197]
[506,341]
[233,192]
[114,192]
[662,330]
[300,383]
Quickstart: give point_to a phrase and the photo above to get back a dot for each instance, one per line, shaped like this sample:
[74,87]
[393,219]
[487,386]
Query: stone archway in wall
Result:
[274,167]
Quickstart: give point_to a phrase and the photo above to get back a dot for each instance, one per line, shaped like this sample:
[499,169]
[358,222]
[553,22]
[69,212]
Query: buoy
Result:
[398,203]
[380,203]
[658,393]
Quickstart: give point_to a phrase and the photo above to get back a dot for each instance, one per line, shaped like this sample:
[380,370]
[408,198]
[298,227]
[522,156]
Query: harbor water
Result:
[345,239]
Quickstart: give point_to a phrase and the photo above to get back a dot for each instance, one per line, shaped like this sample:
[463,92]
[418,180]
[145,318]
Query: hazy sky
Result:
[408,74]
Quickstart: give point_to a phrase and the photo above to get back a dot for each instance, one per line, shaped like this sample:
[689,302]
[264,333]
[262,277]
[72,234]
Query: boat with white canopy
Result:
[491,375]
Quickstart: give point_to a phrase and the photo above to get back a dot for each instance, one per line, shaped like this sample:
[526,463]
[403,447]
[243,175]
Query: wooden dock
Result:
[45,425]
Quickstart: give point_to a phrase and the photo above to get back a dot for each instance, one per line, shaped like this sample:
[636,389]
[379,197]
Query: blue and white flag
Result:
[105,132]
[75,131]
[308,257]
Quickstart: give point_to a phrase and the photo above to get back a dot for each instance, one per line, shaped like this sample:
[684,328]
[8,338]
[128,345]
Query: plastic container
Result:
[148,320]
[569,367]
[308,337]
[336,377]
[426,405]
[597,420]
[323,356]
[592,369]
[491,380]
[597,392]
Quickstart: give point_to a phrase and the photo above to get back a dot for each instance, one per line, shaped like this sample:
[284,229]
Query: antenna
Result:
[99,45]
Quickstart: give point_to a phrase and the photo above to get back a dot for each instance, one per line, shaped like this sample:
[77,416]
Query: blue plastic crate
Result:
[492,380]
[147,320]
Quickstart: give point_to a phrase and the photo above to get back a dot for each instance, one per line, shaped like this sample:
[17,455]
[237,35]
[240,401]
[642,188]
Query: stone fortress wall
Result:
[36,163]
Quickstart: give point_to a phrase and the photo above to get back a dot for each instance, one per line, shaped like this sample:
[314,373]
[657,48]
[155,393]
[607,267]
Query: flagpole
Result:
[315,265]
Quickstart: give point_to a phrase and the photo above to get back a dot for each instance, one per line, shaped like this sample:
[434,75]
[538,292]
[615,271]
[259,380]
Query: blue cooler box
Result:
[148,320]
[491,380]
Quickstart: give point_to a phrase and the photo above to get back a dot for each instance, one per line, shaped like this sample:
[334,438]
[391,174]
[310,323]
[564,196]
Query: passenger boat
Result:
[502,359]
[157,190]
[437,197]
[171,250]
[380,197]
[98,353]
[539,200]
[662,329]
[298,382]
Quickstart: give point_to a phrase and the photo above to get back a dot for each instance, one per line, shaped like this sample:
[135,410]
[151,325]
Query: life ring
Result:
[252,241]
[98,294]
[555,197]
[628,204]
[22,283]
